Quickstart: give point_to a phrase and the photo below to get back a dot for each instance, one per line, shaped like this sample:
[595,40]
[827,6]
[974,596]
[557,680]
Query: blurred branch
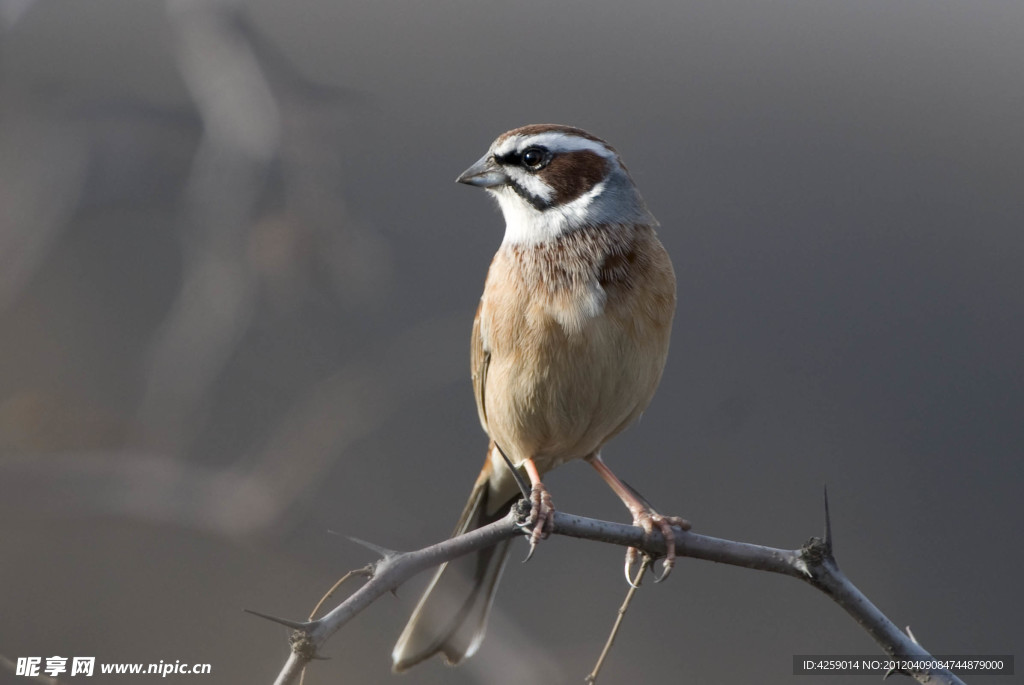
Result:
[813,564]
[241,134]
[260,491]
[141,486]
[263,123]
[11,11]
[42,171]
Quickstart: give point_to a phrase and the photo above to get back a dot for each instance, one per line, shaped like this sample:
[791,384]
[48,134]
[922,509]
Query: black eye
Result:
[533,157]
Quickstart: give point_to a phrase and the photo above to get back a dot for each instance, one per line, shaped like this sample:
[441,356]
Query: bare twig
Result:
[365,572]
[633,587]
[813,563]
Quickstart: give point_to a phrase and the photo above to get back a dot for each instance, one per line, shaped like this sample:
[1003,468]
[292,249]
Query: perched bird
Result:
[568,346]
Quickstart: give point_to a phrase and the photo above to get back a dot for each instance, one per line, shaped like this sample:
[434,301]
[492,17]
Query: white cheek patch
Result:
[526,225]
[582,210]
[531,183]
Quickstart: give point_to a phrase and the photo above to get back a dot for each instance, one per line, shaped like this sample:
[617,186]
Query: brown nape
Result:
[571,174]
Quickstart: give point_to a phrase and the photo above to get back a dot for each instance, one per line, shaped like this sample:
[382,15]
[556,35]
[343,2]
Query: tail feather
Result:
[452,614]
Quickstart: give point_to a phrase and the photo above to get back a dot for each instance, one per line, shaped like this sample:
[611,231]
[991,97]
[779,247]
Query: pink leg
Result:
[541,507]
[643,516]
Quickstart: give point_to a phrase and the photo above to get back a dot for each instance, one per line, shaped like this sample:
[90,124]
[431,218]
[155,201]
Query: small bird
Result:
[568,347]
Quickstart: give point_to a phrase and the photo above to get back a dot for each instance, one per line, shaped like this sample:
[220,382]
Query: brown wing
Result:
[479,359]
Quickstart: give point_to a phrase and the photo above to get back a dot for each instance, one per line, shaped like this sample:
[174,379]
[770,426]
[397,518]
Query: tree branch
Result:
[813,564]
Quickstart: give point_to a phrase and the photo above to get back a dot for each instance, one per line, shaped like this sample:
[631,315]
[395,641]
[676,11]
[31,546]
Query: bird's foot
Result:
[649,520]
[541,516]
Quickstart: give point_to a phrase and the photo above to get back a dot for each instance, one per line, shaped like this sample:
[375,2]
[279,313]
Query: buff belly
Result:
[559,394]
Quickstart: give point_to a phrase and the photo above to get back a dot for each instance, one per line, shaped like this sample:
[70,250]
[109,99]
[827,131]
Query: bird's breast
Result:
[577,334]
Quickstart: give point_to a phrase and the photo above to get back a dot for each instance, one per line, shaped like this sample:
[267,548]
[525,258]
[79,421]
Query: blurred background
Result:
[237,283]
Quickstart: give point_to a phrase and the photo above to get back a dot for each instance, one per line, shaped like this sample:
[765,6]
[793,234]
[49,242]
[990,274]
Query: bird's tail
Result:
[452,614]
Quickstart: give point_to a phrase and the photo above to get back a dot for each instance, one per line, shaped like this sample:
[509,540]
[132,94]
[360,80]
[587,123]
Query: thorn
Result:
[520,481]
[911,635]
[383,551]
[294,625]
[828,525]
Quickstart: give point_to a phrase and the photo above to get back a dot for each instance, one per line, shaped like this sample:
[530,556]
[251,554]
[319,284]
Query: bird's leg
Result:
[644,516]
[541,508]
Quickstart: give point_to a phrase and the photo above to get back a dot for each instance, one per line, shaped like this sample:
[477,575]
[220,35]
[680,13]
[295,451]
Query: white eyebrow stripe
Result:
[556,141]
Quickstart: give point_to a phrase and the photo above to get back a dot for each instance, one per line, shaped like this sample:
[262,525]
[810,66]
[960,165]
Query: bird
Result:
[567,348]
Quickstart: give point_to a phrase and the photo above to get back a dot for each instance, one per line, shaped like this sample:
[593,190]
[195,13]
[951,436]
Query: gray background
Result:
[237,282]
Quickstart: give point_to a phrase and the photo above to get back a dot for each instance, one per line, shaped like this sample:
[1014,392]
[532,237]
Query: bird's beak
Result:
[484,174]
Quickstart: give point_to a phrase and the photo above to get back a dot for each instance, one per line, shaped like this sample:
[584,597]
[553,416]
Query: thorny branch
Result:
[813,564]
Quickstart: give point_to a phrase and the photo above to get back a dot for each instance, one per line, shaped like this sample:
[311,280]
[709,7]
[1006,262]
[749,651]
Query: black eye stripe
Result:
[515,157]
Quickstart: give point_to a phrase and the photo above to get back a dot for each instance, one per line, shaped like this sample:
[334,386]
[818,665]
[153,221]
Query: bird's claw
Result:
[649,520]
[631,558]
[541,517]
